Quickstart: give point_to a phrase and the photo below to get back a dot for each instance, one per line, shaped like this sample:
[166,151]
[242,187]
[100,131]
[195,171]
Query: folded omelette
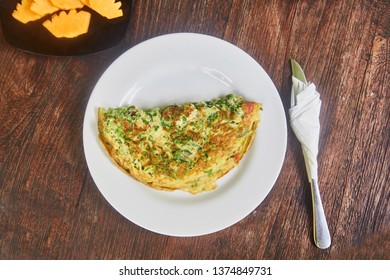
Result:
[180,147]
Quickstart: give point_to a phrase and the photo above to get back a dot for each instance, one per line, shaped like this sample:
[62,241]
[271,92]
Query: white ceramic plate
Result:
[178,68]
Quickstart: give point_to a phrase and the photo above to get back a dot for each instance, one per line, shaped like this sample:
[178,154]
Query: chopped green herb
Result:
[212,117]
[166,123]
[209,172]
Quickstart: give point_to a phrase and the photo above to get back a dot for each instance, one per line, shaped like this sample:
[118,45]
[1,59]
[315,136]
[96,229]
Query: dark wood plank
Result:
[50,207]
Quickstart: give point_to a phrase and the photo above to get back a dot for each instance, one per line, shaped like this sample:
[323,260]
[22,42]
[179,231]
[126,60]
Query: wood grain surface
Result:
[50,208]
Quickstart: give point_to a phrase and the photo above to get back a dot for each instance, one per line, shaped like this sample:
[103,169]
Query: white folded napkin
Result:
[304,119]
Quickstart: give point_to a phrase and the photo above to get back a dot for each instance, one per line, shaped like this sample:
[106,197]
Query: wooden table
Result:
[50,208]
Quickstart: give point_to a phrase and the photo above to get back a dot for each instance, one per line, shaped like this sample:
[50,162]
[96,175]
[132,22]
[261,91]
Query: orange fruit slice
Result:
[67,4]
[43,7]
[68,25]
[23,12]
[63,24]
[107,8]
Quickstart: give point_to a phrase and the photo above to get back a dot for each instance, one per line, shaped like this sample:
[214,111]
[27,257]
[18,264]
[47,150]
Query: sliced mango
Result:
[43,7]
[67,4]
[63,24]
[107,8]
[68,25]
[23,12]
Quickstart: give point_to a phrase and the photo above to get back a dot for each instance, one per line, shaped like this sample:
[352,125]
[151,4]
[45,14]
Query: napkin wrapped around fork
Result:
[304,120]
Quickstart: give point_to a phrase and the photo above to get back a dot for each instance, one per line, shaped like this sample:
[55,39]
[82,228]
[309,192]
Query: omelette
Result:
[180,147]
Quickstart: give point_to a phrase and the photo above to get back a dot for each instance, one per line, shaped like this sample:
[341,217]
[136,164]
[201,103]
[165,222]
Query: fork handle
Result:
[320,227]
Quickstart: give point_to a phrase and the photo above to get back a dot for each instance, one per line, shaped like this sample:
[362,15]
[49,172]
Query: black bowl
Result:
[33,37]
